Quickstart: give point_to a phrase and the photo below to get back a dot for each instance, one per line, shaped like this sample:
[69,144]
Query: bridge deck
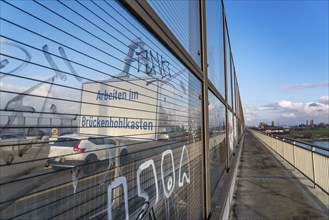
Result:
[269,188]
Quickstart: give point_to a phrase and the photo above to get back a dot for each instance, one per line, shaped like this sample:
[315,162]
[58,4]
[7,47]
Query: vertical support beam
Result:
[313,170]
[204,66]
[225,83]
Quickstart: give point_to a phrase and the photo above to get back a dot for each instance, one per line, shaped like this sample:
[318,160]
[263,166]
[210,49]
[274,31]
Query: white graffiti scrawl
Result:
[168,186]
[171,179]
[181,181]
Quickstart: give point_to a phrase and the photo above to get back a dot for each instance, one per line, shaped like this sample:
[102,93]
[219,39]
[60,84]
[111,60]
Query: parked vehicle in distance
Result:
[85,151]
[172,133]
[10,137]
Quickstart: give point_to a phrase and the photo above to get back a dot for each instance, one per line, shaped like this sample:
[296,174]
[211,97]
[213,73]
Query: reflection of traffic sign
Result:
[138,121]
[54,132]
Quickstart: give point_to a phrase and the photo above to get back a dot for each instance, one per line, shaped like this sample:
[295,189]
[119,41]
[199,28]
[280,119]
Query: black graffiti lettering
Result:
[68,63]
[165,69]
[52,63]
[142,57]
[3,63]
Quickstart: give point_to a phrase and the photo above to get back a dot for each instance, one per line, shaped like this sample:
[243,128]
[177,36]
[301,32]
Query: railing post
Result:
[313,149]
[283,147]
[293,153]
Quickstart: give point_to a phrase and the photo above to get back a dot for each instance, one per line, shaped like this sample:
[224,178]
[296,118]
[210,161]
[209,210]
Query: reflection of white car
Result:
[84,151]
[172,133]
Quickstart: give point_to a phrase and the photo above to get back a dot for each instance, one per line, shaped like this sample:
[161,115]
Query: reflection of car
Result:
[10,137]
[172,133]
[85,151]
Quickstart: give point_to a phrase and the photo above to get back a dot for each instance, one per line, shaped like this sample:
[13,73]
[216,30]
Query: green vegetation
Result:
[311,133]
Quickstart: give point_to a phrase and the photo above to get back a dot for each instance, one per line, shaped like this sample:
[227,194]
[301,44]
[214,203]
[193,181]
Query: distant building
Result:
[262,126]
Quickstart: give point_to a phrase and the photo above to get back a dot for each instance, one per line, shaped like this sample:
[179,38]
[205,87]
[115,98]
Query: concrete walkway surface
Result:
[267,187]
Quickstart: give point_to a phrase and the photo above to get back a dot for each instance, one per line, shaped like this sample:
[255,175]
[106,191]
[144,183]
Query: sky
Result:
[280,51]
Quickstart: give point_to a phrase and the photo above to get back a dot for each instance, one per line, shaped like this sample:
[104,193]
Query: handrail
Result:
[312,164]
[284,139]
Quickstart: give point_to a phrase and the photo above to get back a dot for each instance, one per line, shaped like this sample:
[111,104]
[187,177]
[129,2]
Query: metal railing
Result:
[311,160]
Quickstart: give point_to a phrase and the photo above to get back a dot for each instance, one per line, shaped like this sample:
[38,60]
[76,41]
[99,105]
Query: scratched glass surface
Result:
[104,122]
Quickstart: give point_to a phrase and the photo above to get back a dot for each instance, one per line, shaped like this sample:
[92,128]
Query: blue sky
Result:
[280,50]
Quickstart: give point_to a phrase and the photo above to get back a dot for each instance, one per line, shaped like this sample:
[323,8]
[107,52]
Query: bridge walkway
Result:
[267,187]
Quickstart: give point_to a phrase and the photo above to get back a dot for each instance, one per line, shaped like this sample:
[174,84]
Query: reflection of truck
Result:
[128,108]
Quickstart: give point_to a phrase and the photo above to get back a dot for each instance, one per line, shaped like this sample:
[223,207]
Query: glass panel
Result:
[217,143]
[88,69]
[182,18]
[228,72]
[230,132]
[215,49]
[235,131]
[233,90]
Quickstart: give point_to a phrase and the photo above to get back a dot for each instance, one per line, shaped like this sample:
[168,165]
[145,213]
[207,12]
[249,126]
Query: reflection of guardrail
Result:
[311,160]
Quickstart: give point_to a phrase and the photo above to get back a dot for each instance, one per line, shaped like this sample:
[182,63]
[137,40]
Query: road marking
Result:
[64,185]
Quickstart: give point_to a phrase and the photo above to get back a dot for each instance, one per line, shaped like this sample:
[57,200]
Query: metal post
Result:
[313,149]
[293,152]
[117,171]
[225,83]
[204,65]
[283,147]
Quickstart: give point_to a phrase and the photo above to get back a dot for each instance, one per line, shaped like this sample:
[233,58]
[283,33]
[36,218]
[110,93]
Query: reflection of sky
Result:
[216,113]
[96,51]
[182,19]
[215,45]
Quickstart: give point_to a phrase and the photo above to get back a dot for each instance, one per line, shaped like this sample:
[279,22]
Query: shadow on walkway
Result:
[266,189]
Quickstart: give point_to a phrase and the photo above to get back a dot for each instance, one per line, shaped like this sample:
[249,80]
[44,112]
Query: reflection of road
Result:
[38,192]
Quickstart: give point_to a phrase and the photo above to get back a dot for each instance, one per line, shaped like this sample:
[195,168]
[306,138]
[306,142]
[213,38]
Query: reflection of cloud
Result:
[211,107]
[307,85]
[37,97]
[2,40]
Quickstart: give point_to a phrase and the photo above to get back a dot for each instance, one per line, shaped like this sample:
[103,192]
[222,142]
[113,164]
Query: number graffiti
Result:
[167,186]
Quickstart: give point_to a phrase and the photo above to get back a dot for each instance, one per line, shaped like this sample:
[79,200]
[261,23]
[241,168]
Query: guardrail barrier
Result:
[309,159]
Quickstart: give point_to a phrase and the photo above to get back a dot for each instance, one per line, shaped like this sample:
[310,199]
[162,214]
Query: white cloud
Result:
[250,117]
[287,111]
[289,115]
[324,100]
[306,85]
